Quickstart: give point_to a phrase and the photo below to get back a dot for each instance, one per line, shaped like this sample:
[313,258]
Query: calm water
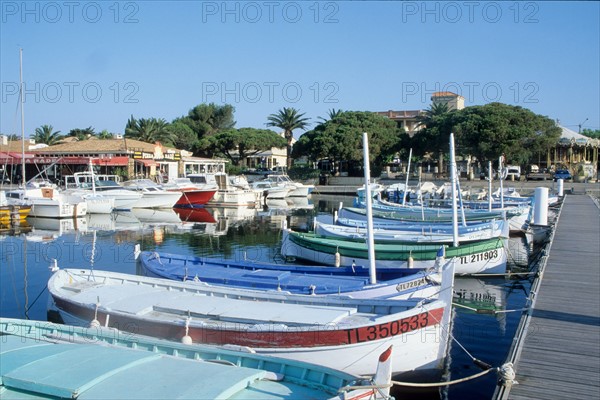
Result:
[107,242]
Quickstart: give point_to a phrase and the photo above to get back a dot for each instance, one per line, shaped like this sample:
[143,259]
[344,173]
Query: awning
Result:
[117,161]
[147,163]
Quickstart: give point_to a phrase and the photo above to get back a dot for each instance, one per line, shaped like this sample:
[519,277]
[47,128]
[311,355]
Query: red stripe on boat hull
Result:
[294,337]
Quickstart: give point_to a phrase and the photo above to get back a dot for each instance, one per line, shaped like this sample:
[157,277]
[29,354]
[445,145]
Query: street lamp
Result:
[581,125]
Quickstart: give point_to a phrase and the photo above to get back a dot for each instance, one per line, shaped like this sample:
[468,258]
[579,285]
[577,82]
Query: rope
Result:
[448,383]
[484,311]
[506,377]
[36,299]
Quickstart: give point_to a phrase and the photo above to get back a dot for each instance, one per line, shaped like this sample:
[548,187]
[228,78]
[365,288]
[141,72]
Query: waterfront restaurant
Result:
[126,157]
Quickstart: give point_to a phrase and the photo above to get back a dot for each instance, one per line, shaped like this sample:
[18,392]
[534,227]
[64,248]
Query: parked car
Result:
[563,174]
[484,174]
[512,172]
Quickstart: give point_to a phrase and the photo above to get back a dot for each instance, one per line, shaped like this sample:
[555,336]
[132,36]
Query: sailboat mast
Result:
[369,200]
[22,117]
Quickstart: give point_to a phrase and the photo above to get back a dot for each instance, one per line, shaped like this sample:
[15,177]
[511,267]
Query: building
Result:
[574,151]
[452,100]
[407,120]
[126,157]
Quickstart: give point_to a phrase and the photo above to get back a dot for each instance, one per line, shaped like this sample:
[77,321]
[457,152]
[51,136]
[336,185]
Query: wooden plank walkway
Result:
[558,356]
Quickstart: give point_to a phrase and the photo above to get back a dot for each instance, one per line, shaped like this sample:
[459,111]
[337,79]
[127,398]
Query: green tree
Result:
[238,144]
[591,133]
[183,136]
[435,133]
[288,119]
[46,134]
[340,139]
[208,119]
[105,135]
[82,134]
[496,129]
[149,130]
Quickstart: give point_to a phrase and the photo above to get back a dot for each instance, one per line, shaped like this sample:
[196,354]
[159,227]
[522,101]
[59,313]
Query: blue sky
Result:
[89,63]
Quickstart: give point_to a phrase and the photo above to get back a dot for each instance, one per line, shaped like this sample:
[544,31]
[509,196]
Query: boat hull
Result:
[116,360]
[235,198]
[488,257]
[300,280]
[336,332]
[163,199]
[194,198]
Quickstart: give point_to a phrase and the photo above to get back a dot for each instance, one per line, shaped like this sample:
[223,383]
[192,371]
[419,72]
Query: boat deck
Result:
[558,352]
[33,368]
[142,297]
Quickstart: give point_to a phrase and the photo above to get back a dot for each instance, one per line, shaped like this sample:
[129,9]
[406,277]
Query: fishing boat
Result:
[485,256]
[489,230]
[517,217]
[337,332]
[44,360]
[359,221]
[298,279]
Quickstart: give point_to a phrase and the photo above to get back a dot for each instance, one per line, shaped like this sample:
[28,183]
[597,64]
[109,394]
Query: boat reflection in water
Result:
[47,229]
[156,216]
[519,251]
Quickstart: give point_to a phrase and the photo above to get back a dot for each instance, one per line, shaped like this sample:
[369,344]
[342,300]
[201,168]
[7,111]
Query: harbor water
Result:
[486,311]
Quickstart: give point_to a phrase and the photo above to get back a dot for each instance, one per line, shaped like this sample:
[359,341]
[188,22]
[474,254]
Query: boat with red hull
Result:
[336,331]
[192,195]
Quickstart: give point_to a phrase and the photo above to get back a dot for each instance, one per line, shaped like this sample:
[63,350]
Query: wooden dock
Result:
[556,351]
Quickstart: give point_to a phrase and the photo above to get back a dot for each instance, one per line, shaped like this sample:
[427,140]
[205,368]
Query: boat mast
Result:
[490,178]
[407,175]
[453,180]
[22,117]
[369,199]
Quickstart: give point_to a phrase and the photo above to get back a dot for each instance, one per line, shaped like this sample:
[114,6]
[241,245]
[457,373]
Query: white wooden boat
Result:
[44,360]
[333,331]
[518,217]
[293,278]
[490,230]
[485,256]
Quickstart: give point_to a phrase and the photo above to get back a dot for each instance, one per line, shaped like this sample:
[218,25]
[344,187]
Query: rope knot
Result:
[506,375]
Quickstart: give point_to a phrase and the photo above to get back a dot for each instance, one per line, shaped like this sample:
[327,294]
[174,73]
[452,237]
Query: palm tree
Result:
[45,134]
[331,114]
[288,119]
[435,110]
[149,130]
[428,121]
[82,134]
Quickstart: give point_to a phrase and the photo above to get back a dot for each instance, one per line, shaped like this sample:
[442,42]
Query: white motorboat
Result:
[153,195]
